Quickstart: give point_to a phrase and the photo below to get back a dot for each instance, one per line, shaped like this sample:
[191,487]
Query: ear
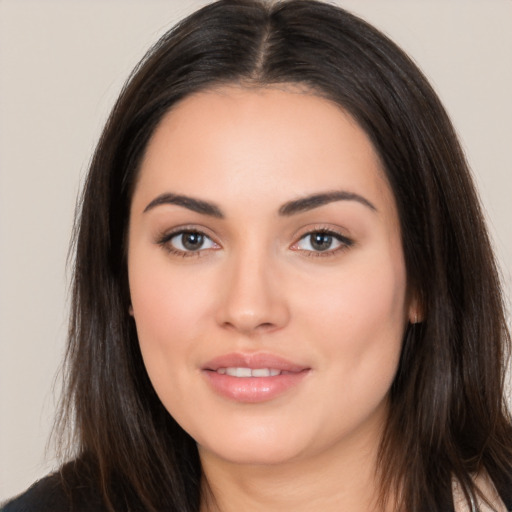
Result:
[130,310]
[416,312]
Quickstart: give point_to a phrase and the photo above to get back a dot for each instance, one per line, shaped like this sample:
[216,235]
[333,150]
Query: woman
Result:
[284,295]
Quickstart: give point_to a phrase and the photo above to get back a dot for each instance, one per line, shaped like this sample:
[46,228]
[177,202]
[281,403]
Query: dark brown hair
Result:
[447,417]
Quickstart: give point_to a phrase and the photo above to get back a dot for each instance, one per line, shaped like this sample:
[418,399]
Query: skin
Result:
[257,285]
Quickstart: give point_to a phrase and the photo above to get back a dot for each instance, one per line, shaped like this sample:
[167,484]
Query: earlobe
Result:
[416,315]
[130,310]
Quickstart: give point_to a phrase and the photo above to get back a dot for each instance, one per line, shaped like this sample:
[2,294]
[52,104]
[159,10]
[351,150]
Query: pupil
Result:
[192,241]
[321,241]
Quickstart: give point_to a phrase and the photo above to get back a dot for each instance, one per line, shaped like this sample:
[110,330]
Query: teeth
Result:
[261,372]
[248,372]
[238,372]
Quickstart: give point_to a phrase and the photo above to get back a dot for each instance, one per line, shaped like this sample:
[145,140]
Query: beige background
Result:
[62,64]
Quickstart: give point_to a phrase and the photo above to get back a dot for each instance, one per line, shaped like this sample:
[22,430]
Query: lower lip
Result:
[253,389]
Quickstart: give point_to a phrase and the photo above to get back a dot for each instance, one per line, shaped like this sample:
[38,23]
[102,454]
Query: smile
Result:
[249,372]
[253,378]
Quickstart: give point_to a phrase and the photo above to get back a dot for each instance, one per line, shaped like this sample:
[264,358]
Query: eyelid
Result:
[164,239]
[167,235]
[345,241]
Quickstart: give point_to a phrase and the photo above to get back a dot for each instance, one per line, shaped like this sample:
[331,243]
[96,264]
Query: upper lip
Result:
[253,361]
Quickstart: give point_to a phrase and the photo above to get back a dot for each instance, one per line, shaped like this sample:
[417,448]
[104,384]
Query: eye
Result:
[187,242]
[322,242]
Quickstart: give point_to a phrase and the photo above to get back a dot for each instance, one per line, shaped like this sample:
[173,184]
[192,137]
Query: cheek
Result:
[168,305]
[170,310]
[360,319]
[359,327]
[362,297]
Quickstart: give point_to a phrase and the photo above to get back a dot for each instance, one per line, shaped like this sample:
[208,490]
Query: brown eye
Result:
[190,241]
[322,241]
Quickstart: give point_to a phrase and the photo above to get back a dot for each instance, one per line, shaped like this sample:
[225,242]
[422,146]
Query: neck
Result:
[340,478]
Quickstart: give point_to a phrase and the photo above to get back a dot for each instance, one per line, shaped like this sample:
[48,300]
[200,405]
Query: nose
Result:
[252,298]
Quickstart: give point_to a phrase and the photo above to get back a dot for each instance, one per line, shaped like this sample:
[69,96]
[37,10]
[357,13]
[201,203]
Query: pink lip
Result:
[253,389]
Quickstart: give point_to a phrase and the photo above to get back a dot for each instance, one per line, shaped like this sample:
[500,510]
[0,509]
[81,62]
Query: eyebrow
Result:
[287,209]
[316,200]
[196,205]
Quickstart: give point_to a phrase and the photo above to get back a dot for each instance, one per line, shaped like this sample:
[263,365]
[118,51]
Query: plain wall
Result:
[62,63]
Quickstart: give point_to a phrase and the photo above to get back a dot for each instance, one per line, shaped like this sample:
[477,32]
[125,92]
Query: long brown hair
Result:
[447,417]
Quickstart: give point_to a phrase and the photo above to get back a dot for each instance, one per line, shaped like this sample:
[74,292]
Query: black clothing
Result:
[64,491]
[79,493]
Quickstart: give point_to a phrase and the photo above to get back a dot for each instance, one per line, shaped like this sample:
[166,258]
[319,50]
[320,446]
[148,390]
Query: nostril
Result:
[250,327]
[250,304]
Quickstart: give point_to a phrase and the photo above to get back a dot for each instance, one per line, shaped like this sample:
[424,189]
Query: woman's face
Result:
[266,275]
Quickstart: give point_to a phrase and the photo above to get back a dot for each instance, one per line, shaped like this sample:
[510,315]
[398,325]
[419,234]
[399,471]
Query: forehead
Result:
[274,142]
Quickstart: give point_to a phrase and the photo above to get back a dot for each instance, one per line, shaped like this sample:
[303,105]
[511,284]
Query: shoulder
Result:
[494,501]
[45,495]
[64,491]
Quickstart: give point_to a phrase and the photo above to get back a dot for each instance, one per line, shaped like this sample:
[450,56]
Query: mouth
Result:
[251,372]
[252,378]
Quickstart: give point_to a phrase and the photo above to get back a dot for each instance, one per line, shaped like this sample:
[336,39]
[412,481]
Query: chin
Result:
[260,446]
[260,454]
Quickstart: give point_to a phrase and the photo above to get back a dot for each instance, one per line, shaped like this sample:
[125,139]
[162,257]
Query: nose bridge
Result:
[252,299]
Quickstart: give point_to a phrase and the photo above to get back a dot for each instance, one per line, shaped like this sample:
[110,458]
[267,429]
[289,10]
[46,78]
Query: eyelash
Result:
[164,241]
[345,243]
